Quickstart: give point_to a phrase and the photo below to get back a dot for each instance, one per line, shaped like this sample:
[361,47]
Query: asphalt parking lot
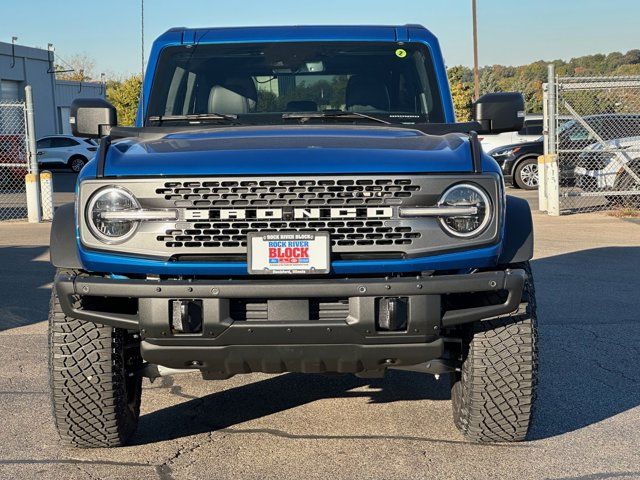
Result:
[587,423]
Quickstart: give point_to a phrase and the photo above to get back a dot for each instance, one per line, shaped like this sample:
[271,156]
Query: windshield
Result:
[255,81]
[566,125]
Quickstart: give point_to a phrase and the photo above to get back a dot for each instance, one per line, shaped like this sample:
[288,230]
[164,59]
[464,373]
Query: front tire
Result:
[493,395]
[526,174]
[95,381]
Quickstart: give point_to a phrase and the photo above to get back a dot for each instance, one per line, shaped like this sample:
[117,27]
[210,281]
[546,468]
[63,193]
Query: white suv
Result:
[67,150]
[532,130]
[608,167]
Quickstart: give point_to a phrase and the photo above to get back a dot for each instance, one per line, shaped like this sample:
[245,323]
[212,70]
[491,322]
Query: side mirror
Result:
[92,117]
[499,112]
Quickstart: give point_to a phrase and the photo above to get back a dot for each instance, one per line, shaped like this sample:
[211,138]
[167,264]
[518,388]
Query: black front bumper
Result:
[226,345]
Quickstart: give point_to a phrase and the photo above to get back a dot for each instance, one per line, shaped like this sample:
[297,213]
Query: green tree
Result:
[628,69]
[488,81]
[125,95]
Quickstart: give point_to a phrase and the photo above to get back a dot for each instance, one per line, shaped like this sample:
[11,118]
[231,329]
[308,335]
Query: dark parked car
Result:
[519,161]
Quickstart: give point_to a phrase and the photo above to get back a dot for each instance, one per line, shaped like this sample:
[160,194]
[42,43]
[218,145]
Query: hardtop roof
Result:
[298,33]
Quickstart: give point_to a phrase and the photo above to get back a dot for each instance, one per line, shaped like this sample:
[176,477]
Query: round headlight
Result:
[466,225]
[111,199]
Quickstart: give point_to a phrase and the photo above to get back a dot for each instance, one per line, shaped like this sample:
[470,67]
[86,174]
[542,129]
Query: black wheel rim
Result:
[77,164]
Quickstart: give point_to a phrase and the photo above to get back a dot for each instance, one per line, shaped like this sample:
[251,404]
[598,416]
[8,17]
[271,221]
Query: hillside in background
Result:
[528,79]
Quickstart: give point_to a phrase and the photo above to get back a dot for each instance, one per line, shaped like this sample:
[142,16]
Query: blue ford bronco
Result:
[293,199]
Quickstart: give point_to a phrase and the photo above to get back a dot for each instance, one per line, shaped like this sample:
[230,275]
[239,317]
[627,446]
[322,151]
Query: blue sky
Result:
[511,32]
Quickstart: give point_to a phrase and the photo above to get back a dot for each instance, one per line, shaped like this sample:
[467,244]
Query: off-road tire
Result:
[94,379]
[527,163]
[493,395]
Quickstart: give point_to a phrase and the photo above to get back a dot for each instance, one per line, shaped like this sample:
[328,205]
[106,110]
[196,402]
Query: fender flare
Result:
[63,246]
[518,232]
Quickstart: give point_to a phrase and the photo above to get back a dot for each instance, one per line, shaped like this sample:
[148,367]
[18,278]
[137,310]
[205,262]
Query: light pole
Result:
[142,52]
[476,72]
[142,36]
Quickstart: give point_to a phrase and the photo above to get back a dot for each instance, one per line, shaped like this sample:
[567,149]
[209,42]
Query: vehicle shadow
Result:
[588,349]
[237,405]
[25,278]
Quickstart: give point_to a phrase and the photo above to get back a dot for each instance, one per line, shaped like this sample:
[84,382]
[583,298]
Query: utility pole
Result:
[476,72]
[142,36]
[142,51]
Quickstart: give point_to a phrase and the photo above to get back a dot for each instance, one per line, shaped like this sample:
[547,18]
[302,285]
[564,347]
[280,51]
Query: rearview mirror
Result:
[499,112]
[92,117]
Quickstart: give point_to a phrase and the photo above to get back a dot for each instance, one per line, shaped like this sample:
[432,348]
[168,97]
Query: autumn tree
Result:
[461,93]
[528,79]
[489,81]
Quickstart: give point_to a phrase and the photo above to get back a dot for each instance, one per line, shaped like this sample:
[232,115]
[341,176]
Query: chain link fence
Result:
[14,164]
[597,142]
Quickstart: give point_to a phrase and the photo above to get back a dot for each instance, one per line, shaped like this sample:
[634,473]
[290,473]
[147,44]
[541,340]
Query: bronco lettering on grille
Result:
[285,213]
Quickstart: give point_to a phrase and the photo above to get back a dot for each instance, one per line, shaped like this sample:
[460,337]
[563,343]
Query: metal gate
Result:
[14,163]
[594,132]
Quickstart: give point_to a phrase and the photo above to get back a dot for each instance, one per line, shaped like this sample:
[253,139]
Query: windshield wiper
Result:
[195,118]
[336,114]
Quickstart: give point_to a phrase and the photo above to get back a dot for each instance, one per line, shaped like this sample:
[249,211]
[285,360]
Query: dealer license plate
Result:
[288,252]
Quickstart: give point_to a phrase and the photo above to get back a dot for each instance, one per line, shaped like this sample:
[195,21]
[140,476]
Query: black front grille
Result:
[284,192]
[316,192]
[217,214]
[233,233]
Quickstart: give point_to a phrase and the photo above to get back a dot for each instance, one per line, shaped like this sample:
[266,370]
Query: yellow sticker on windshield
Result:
[401,53]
